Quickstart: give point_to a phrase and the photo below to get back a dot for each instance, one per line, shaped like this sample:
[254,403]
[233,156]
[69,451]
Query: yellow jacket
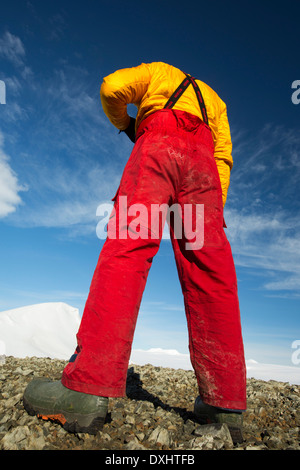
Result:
[149,86]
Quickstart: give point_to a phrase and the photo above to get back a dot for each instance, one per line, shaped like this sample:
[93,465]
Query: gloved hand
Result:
[130,131]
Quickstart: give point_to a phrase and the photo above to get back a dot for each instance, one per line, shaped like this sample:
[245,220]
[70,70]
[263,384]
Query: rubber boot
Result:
[75,411]
[207,414]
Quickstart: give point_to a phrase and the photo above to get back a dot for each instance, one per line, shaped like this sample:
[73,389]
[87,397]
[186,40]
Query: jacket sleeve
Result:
[121,88]
[223,152]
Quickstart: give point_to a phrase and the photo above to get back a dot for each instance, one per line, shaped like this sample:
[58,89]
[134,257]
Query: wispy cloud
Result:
[262,213]
[68,199]
[10,187]
[68,154]
[20,76]
[269,242]
[266,166]
[12,49]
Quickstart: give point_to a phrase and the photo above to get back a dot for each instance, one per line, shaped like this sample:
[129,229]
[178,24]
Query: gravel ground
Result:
[156,414]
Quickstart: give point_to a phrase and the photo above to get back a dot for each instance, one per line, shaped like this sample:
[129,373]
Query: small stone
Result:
[117,415]
[189,426]
[11,402]
[36,443]
[217,431]
[201,443]
[262,412]
[160,436]
[140,436]
[13,439]
[134,445]
[130,419]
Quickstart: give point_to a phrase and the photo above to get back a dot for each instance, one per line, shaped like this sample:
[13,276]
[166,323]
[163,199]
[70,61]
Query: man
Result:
[182,156]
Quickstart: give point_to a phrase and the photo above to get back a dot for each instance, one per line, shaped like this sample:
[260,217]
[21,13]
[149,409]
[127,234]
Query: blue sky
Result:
[60,157]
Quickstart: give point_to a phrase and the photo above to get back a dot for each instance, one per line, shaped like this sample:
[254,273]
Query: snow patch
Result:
[41,330]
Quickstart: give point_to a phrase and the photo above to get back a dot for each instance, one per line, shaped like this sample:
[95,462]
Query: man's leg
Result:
[108,323]
[209,286]
[105,335]
[215,338]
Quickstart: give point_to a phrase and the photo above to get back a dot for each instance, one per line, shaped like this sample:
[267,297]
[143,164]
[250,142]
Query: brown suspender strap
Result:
[177,93]
[181,89]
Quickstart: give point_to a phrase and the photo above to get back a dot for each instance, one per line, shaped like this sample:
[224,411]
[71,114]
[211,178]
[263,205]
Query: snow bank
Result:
[42,330]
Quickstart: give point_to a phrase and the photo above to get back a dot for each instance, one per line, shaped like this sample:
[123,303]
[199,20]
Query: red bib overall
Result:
[172,162]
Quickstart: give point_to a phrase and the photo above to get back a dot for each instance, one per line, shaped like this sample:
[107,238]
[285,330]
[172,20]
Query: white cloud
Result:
[12,49]
[9,185]
[291,283]
[82,159]
[13,84]
[13,112]
[67,197]
[72,161]
[267,162]
[268,243]
[262,210]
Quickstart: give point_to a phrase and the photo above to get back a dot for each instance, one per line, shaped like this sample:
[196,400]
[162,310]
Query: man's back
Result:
[149,86]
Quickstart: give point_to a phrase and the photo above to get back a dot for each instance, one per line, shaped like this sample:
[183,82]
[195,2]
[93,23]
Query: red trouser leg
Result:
[171,163]
[215,339]
[209,287]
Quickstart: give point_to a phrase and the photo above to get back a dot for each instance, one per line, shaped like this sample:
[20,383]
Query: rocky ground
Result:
[156,414]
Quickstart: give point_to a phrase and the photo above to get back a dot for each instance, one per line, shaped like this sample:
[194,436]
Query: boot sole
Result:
[71,422]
